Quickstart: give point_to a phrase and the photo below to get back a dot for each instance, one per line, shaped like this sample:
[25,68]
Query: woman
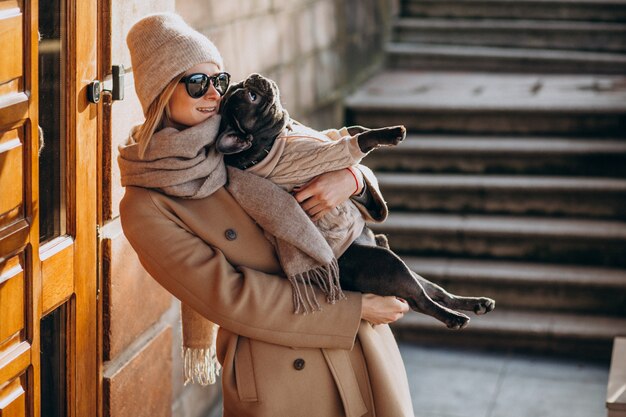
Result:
[195,239]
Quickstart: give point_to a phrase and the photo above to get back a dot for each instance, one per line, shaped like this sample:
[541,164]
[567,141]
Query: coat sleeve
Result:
[245,301]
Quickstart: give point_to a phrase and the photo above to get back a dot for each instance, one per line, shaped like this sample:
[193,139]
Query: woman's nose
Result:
[212,92]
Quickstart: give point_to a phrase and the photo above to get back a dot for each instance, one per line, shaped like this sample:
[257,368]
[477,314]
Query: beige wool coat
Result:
[211,255]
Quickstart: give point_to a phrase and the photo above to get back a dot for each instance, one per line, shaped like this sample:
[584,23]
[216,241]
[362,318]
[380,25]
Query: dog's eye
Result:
[252,95]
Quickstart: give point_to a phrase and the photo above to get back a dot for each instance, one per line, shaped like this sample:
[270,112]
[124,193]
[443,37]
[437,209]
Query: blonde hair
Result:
[156,116]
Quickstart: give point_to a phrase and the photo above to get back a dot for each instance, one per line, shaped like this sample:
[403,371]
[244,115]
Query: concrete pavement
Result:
[447,382]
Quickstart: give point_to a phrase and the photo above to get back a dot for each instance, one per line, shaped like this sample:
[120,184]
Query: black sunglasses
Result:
[198,84]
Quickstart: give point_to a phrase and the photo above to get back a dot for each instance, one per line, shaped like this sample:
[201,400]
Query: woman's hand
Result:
[326,191]
[382,310]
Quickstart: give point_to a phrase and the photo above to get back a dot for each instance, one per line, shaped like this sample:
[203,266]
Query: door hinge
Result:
[109,231]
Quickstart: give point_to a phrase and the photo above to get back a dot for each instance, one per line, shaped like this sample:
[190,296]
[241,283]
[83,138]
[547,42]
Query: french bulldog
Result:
[252,119]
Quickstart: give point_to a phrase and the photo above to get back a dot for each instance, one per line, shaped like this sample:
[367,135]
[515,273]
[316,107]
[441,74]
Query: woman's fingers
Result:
[315,203]
[334,187]
[404,306]
[310,203]
[315,209]
[325,192]
[303,193]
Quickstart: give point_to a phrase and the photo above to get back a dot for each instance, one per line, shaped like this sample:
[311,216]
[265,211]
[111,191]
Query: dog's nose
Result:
[258,80]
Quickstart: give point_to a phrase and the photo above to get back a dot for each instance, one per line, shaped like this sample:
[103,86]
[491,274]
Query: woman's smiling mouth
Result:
[206,109]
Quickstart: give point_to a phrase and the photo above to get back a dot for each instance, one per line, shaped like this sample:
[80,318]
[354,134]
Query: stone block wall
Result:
[317,51]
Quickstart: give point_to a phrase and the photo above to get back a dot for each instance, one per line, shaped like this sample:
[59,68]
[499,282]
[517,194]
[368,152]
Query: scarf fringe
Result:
[200,365]
[326,278]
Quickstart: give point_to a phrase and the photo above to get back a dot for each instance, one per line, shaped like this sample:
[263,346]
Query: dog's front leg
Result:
[385,136]
[371,269]
[356,129]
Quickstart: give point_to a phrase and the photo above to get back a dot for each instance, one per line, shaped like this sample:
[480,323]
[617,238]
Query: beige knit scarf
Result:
[184,164]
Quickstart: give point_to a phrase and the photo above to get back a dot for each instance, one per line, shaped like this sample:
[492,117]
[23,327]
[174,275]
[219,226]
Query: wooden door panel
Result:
[12,313]
[10,4]
[11,161]
[14,238]
[10,44]
[9,87]
[57,272]
[13,399]
[14,361]
[10,343]
[13,106]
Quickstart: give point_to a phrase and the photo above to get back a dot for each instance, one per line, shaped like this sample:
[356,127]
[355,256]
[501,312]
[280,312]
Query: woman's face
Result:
[189,111]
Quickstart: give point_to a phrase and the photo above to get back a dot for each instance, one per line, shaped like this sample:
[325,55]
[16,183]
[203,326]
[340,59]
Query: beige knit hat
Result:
[163,46]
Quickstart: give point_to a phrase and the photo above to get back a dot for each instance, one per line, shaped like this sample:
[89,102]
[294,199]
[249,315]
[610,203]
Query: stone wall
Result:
[317,51]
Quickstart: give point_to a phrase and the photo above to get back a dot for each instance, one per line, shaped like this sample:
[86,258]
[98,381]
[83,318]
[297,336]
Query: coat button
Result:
[230,234]
[298,364]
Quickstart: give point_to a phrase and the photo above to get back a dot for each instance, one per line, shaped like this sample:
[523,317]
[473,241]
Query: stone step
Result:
[547,332]
[529,286]
[502,154]
[573,241]
[549,34]
[495,194]
[491,104]
[590,10]
[497,59]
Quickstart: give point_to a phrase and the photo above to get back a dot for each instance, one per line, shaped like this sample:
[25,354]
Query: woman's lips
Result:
[206,110]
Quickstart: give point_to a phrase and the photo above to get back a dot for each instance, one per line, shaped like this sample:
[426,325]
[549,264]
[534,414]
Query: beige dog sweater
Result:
[300,154]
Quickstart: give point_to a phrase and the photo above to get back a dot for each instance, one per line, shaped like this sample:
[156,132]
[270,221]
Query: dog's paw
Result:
[382,241]
[401,134]
[484,306]
[395,135]
[457,321]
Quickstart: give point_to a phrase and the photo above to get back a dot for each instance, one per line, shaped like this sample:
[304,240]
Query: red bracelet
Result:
[355,180]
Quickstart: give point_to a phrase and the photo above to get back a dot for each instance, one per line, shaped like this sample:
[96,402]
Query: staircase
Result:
[511,183]
[572,36]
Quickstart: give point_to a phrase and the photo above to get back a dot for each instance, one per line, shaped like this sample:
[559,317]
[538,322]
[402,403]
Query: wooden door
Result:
[48,197]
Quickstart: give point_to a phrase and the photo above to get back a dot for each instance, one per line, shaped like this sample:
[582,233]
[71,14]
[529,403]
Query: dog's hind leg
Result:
[479,305]
[371,269]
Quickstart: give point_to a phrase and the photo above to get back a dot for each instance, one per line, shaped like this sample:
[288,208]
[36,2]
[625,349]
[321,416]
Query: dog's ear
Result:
[231,141]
